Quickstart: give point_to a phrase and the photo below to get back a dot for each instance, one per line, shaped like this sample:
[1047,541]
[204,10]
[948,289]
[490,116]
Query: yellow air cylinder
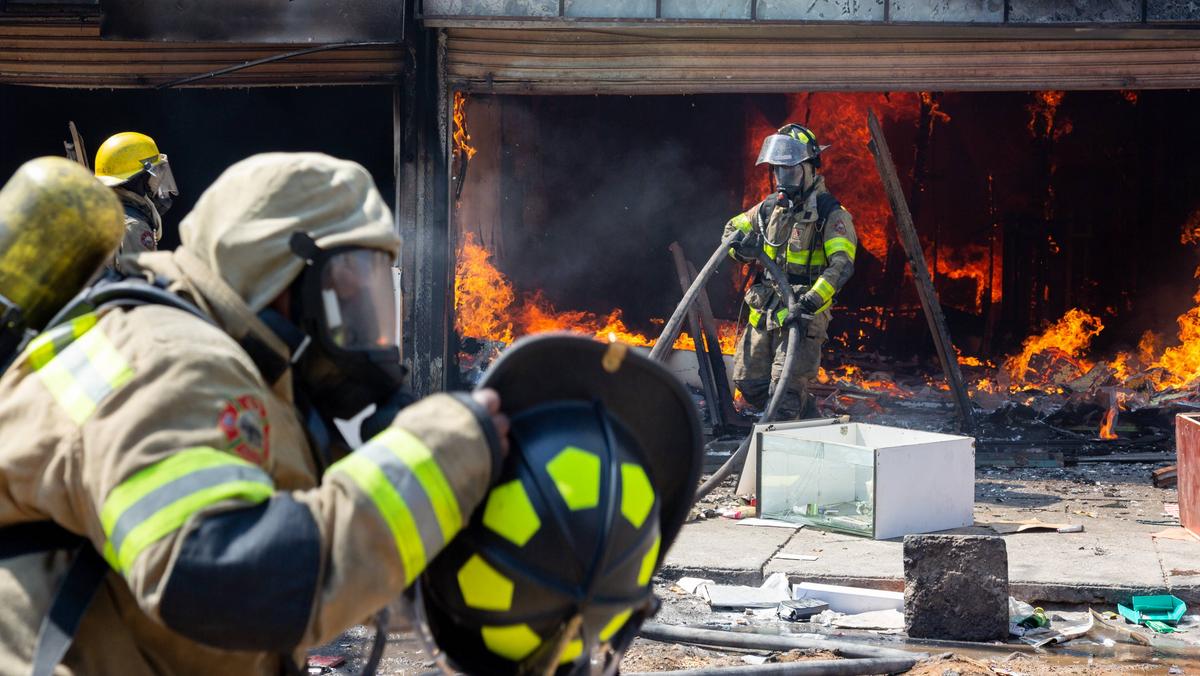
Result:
[58,225]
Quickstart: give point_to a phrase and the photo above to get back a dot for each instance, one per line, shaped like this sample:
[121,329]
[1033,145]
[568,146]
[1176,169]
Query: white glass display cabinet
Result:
[872,480]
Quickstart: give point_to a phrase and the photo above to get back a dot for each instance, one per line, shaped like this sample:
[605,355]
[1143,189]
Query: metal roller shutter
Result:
[69,53]
[745,59]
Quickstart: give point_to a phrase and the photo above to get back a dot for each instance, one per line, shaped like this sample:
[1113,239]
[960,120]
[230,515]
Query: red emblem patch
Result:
[243,421]
[148,243]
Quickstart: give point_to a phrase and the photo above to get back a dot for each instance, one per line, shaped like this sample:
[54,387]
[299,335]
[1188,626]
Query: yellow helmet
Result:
[124,155]
[48,201]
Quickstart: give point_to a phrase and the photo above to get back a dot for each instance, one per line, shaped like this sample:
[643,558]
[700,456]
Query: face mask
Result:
[790,180]
[344,301]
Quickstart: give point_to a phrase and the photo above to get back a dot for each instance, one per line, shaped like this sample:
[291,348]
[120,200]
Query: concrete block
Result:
[1074,11]
[491,7]
[956,587]
[1172,10]
[822,10]
[706,9]
[955,11]
[611,9]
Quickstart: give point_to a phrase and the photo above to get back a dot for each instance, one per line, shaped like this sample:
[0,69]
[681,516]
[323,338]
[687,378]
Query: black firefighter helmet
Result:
[552,574]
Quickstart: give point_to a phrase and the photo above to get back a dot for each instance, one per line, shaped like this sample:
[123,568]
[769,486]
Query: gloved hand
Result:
[749,245]
[808,303]
[385,413]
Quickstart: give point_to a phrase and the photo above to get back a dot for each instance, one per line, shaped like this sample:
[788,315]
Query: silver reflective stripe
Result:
[169,493]
[405,482]
[74,359]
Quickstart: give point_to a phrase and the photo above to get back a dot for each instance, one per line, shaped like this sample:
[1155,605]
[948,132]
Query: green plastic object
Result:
[1162,609]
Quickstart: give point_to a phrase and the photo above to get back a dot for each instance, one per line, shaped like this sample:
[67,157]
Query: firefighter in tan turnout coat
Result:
[183,444]
[811,236]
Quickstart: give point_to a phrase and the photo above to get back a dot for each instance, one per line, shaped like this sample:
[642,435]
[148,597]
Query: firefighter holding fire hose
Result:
[811,236]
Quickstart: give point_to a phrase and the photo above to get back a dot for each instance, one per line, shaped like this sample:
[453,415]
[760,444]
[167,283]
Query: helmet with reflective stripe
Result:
[124,155]
[553,573]
[791,145]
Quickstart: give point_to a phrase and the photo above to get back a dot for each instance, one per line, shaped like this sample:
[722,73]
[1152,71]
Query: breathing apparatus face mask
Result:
[791,180]
[344,301]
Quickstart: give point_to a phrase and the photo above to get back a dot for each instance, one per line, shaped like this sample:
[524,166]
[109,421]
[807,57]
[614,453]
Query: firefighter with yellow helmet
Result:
[174,498]
[130,163]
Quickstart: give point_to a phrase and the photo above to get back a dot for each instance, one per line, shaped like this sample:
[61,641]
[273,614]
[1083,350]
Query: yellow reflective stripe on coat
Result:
[770,251]
[781,315]
[157,500]
[824,289]
[47,345]
[755,318]
[79,365]
[400,475]
[800,257]
[742,222]
[840,244]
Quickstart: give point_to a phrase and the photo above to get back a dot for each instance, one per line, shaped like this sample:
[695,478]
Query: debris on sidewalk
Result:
[956,587]
[850,600]
[769,523]
[773,590]
[1030,526]
[1165,477]
[1159,612]
[787,556]
[877,620]
[795,610]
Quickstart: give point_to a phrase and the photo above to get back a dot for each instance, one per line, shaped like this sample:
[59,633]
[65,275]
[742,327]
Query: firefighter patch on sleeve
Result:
[243,421]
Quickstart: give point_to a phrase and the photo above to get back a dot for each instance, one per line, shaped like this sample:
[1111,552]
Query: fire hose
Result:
[865,659]
[671,329]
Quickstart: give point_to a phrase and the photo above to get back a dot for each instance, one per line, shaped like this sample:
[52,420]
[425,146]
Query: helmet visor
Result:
[359,300]
[160,180]
[782,150]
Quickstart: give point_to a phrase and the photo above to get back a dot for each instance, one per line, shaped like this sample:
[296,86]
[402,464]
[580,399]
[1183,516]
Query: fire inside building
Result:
[1059,230]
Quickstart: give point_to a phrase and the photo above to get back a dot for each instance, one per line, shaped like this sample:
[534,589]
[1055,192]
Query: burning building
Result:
[546,153]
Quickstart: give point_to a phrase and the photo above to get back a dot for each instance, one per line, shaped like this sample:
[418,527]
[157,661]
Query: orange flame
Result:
[1043,116]
[462,140]
[1067,339]
[486,307]
[1106,426]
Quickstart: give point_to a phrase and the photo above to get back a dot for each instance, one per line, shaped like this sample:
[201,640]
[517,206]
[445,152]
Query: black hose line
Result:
[738,459]
[671,329]
[858,667]
[782,642]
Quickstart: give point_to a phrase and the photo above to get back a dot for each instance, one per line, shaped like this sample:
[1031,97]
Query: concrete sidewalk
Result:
[1114,558]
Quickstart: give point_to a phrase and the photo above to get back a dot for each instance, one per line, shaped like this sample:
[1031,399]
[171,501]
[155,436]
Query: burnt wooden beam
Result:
[422,214]
[708,324]
[711,395]
[916,263]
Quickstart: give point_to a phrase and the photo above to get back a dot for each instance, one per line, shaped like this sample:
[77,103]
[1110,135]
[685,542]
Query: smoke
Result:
[591,192]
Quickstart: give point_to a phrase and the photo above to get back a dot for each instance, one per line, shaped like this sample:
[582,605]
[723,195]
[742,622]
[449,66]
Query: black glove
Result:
[807,304]
[749,246]
[385,413]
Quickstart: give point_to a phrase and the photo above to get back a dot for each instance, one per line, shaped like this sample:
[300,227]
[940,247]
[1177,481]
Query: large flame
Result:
[1067,339]
[486,307]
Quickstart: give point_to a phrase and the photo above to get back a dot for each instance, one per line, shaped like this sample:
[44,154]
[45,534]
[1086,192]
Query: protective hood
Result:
[241,226]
